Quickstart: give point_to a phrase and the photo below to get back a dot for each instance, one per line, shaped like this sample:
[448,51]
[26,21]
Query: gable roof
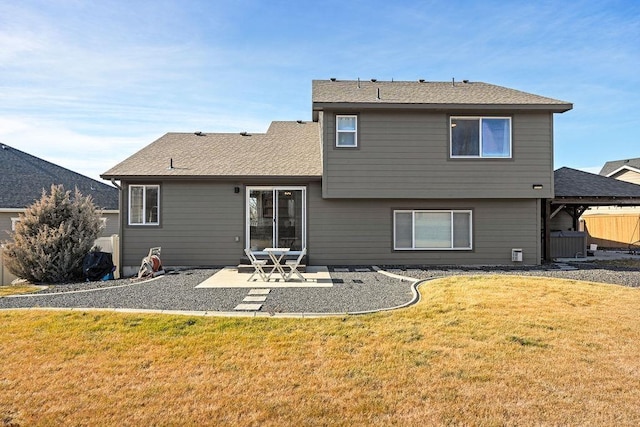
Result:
[23,177]
[573,183]
[430,94]
[614,166]
[287,149]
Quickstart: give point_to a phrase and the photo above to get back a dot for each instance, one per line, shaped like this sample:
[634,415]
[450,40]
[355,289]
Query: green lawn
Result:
[490,350]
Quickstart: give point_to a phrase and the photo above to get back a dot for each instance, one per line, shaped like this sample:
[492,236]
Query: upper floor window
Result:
[346,131]
[487,137]
[144,204]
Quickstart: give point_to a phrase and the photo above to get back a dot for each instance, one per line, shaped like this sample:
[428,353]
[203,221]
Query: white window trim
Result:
[355,131]
[144,205]
[479,156]
[413,232]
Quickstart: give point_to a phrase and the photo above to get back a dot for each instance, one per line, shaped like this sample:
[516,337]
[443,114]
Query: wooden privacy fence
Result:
[107,244]
[612,231]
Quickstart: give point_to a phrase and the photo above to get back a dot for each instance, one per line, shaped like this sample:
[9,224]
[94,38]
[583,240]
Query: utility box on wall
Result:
[516,255]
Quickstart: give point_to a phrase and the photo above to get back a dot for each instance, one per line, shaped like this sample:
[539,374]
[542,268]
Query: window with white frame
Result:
[432,230]
[484,137]
[144,205]
[346,131]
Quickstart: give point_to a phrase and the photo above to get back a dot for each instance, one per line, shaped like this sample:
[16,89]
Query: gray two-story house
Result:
[384,173]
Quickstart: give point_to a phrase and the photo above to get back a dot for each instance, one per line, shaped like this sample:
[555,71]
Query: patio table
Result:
[277,255]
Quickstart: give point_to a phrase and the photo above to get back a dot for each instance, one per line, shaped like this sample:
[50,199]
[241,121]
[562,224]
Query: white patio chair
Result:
[258,266]
[293,266]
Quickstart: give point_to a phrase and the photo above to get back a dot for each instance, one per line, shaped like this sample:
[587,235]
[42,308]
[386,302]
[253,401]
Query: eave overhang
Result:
[554,108]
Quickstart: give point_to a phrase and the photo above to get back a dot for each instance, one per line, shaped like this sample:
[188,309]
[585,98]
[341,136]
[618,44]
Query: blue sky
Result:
[85,84]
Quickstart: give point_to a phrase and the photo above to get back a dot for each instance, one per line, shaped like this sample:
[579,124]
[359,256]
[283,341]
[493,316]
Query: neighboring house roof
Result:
[436,94]
[572,183]
[611,168]
[23,177]
[288,149]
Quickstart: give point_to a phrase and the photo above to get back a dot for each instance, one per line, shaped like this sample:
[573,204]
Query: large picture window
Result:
[346,131]
[144,205]
[432,229]
[481,137]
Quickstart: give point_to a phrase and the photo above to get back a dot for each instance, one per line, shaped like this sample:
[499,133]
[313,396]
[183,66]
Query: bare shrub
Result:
[53,236]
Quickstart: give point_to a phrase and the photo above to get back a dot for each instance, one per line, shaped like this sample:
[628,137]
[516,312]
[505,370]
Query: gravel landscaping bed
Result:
[583,271]
[354,290]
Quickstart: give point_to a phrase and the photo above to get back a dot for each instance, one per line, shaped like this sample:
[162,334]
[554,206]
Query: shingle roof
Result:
[288,149]
[436,94]
[574,183]
[614,165]
[23,177]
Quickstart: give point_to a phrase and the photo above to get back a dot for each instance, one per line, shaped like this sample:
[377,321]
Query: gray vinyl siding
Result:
[406,155]
[199,221]
[360,231]
[112,225]
[5,224]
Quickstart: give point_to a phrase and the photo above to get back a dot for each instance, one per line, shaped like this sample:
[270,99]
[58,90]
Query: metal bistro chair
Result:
[258,266]
[293,266]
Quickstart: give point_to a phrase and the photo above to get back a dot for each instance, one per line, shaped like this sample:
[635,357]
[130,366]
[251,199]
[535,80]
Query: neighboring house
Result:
[385,173]
[616,226]
[23,177]
[625,170]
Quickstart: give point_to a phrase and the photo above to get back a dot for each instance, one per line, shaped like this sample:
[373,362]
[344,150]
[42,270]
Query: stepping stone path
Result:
[565,267]
[250,302]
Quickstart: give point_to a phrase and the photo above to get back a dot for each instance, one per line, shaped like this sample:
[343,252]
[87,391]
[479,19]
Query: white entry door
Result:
[276,218]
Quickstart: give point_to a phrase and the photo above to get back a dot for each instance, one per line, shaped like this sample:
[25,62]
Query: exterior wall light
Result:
[537,186]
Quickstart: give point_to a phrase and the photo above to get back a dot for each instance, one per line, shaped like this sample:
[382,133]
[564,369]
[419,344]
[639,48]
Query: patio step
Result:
[248,268]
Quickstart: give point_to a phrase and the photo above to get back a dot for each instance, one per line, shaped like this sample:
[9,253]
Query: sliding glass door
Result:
[276,217]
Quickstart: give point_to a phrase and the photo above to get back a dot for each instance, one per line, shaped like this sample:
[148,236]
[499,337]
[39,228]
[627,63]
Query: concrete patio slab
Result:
[252,298]
[229,277]
[262,291]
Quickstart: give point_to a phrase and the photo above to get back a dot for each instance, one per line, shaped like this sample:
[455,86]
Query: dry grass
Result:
[18,289]
[494,350]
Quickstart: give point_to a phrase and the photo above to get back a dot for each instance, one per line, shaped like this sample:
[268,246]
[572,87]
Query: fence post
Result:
[115,245]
